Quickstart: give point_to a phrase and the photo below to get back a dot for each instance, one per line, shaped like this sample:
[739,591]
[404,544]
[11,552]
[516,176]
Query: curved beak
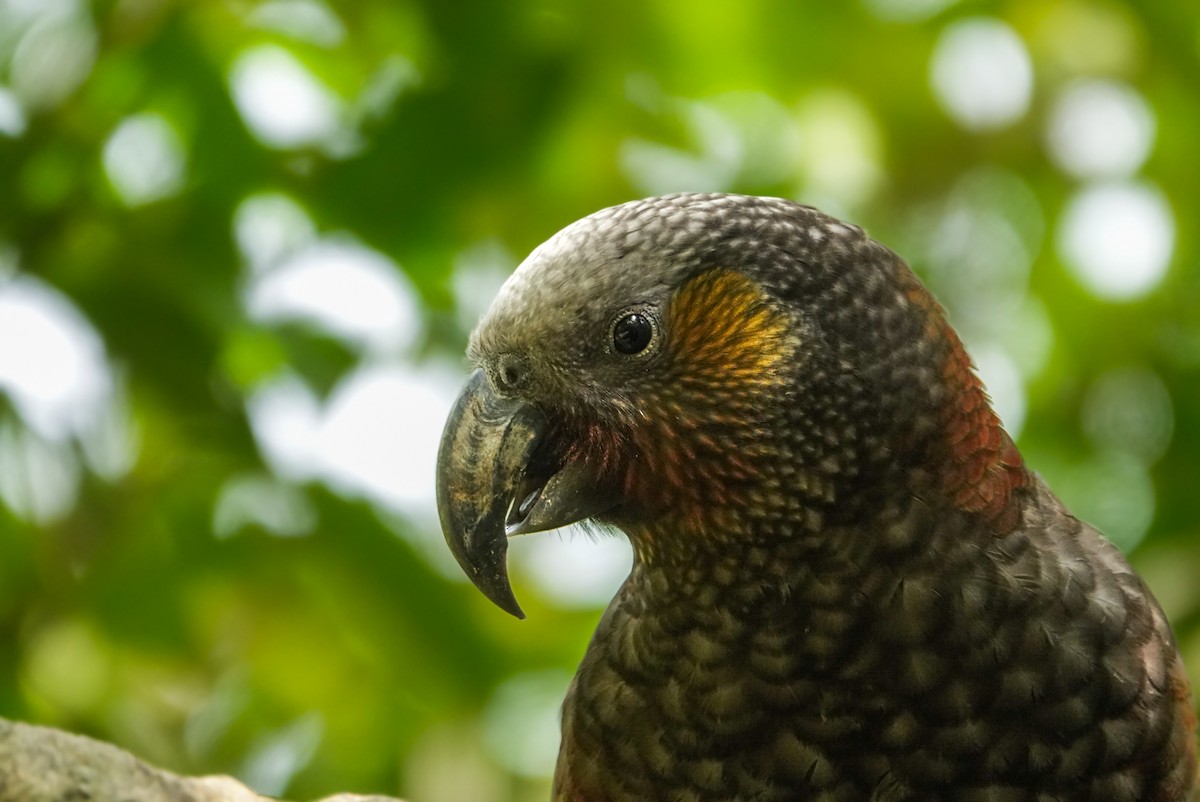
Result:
[499,474]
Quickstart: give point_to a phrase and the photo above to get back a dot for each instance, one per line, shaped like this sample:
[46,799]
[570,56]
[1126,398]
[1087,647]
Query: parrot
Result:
[846,585]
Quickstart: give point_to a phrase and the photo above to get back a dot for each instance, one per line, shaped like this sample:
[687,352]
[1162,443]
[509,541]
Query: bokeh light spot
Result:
[574,567]
[144,159]
[1100,129]
[1129,409]
[276,757]
[381,431]
[281,102]
[1028,334]
[279,508]
[269,227]
[376,437]
[39,479]
[981,73]
[54,56]
[768,136]
[12,116]
[976,248]
[68,663]
[1118,239]
[211,719]
[709,163]
[1079,37]
[303,20]
[449,764]
[840,149]
[344,288]
[52,362]
[528,704]
[285,416]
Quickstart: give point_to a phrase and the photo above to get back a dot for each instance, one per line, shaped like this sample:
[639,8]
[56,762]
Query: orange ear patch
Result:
[697,431]
[723,330]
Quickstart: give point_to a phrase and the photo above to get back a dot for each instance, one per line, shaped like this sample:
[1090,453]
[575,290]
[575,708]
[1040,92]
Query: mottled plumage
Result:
[847,585]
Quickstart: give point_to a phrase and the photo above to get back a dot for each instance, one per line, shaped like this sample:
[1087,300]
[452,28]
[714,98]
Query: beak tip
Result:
[500,594]
[487,570]
[486,565]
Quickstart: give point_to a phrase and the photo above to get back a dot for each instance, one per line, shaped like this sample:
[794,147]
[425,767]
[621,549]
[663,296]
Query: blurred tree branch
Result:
[40,764]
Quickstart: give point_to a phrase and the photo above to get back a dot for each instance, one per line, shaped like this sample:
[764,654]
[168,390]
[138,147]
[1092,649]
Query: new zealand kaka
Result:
[847,585]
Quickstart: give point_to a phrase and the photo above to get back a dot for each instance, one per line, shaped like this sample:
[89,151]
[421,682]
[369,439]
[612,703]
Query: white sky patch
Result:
[54,370]
[710,164]
[1118,238]
[269,227]
[54,55]
[280,508]
[282,103]
[39,478]
[343,287]
[52,362]
[479,272]
[981,73]
[571,567]
[746,137]
[769,136]
[1100,129]
[12,116]
[656,169]
[145,159]
[303,20]
[276,757]
[521,723]
[376,436]
[381,431]
[285,416]
[112,439]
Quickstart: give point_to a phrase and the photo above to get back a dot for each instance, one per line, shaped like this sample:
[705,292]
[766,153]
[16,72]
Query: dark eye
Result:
[632,333]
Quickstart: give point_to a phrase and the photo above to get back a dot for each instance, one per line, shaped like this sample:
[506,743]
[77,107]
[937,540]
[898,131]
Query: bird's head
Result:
[697,369]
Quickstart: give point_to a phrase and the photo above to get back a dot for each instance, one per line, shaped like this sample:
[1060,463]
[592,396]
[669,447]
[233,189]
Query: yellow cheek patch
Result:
[723,330]
[697,427]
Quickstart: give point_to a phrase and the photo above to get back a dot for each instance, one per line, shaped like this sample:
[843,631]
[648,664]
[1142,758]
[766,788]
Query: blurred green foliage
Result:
[170,582]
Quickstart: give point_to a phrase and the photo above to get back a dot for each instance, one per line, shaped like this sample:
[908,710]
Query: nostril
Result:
[510,374]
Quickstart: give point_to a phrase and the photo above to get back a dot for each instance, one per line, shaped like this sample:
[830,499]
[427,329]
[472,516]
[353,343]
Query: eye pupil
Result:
[632,333]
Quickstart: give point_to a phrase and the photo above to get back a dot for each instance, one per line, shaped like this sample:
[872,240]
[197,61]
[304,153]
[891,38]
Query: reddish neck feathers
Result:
[981,469]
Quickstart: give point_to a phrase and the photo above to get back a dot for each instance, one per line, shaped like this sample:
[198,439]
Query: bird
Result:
[846,582]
